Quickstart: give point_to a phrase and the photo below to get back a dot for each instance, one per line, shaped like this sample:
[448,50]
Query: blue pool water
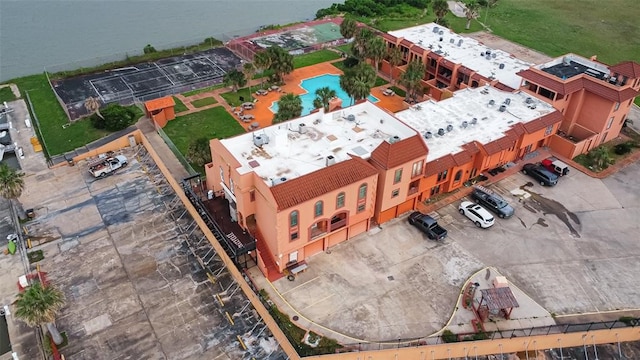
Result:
[312,84]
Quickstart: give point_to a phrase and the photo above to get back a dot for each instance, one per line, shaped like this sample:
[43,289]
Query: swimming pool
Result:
[310,85]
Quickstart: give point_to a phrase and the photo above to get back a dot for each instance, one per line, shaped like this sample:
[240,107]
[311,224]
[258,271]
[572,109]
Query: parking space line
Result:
[317,302]
[303,284]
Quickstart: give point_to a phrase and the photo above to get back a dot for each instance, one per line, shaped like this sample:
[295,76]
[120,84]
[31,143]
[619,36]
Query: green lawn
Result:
[6,94]
[180,107]
[204,102]
[233,98]
[313,58]
[211,123]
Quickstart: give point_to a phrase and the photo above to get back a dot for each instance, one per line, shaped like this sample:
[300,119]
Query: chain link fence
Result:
[176,152]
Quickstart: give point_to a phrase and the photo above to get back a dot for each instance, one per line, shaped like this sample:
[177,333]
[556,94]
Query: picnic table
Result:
[248,105]
[247,118]
[261,92]
[254,125]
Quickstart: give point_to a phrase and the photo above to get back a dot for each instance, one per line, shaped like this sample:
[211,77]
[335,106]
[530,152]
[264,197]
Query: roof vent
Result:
[487,56]
[331,160]
[501,66]
[302,128]
[532,106]
[436,29]
[465,124]
[482,54]
[428,135]
[441,32]
[441,132]
[488,51]
[503,108]
[492,102]
[474,121]
[528,100]
[258,141]
[460,42]
[452,40]
[394,139]
[449,127]
[507,101]
[494,55]
[441,38]
[351,117]
[277,181]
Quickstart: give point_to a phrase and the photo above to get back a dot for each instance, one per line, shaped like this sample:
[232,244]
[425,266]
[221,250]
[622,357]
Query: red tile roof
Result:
[392,39]
[388,156]
[406,43]
[630,69]
[439,165]
[159,104]
[296,191]
[462,157]
[542,80]
[543,122]
[500,144]
[503,87]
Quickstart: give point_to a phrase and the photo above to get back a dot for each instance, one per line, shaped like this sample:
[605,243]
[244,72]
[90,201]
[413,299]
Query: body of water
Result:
[64,34]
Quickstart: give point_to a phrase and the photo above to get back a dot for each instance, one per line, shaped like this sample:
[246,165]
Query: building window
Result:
[435,190]
[293,218]
[458,176]
[252,195]
[442,176]
[395,193]
[610,123]
[338,221]
[616,106]
[362,198]
[294,236]
[548,130]
[604,137]
[417,169]
[413,187]
[622,120]
[221,174]
[398,176]
[317,209]
[231,185]
[340,200]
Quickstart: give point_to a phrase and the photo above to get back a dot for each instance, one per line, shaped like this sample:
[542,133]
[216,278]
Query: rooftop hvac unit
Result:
[487,56]
[441,38]
[351,117]
[449,127]
[465,124]
[459,42]
[501,66]
[494,55]
[452,40]
[503,108]
[492,102]
[474,121]
[331,160]
[302,128]
[258,141]
[436,29]
[277,181]
[428,135]
[488,51]
[507,101]
[441,32]
[528,100]
[532,106]
[441,132]
[394,139]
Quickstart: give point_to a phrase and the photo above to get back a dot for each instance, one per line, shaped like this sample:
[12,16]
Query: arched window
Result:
[293,218]
[458,176]
[340,200]
[318,209]
[362,198]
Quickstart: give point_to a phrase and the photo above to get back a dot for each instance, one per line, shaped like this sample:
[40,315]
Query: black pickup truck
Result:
[428,225]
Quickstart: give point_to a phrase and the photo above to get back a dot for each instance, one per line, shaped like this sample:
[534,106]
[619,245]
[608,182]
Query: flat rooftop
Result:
[285,151]
[466,51]
[570,65]
[455,116]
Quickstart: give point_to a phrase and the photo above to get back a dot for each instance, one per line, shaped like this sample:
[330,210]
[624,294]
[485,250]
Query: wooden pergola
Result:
[496,300]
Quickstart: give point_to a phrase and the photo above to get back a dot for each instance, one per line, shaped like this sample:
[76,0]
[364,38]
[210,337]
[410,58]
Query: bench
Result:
[301,267]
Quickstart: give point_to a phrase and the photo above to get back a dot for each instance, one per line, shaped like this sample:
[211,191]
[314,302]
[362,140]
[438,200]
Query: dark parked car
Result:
[428,225]
[541,174]
[492,202]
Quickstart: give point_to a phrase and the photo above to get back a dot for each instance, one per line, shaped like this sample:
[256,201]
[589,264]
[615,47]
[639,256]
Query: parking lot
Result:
[572,248]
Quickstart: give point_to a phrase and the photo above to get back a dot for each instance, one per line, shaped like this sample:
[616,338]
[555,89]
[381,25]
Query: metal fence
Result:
[176,152]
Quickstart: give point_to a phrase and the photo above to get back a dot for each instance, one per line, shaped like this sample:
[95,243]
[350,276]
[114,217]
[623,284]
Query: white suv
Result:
[476,213]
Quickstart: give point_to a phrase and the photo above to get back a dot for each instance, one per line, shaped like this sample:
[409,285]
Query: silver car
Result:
[480,216]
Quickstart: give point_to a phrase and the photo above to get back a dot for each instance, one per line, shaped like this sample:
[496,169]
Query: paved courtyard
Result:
[572,249]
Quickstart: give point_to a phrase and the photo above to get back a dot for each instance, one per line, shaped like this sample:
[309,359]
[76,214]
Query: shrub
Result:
[149,49]
[624,148]
[114,117]
[449,337]
[350,62]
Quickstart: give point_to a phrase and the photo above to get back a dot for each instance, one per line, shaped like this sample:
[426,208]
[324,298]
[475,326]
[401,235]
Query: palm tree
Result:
[248,69]
[440,9]
[235,79]
[376,50]
[323,96]
[38,305]
[93,106]
[471,11]
[412,77]
[281,62]
[601,157]
[395,58]
[358,81]
[360,42]
[289,107]
[348,27]
[199,152]
[11,182]
[262,62]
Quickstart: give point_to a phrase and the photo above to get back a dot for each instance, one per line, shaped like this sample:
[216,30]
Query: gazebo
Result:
[496,301]
[161,110]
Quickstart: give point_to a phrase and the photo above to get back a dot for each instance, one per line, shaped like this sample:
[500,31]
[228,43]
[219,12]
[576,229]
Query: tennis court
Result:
[146,81]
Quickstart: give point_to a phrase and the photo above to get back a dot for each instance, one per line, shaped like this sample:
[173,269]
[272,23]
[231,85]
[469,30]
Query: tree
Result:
[248,69]
[11,182]
[262,62]
[289,107]
[235,79]
[323,96]
[114,117]
[440,9]
[360,42]
[412,77]
[281,62]
[348,27]
[601,157]
[395,58]
[199,152]
[376,50]
[471,11]
[93,106]
[358,81]
[38,305]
